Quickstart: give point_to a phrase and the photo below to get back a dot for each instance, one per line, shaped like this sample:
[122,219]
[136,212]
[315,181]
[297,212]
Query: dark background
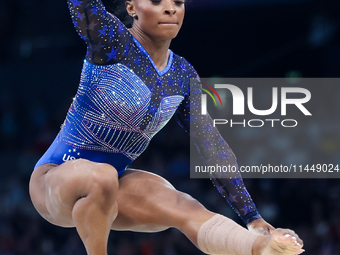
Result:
[40,61]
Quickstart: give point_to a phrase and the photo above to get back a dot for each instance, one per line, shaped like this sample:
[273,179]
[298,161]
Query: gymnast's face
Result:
[158,19]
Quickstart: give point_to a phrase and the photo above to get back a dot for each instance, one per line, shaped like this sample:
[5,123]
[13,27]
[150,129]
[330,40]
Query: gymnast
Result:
[131,85]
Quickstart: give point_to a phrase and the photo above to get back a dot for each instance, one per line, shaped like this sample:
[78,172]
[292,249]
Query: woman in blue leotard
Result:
[130,87]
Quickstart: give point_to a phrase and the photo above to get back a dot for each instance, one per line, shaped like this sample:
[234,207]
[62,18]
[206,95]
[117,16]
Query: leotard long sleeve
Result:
[123,100]
[215,151]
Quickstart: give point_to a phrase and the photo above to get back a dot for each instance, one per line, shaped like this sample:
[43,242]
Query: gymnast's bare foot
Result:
[282,241]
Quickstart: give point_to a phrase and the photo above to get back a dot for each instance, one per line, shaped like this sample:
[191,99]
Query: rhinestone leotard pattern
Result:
[109,115]
[123,100]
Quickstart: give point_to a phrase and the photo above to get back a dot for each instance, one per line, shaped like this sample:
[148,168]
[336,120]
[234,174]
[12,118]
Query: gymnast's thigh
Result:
[54,189]
[149,203]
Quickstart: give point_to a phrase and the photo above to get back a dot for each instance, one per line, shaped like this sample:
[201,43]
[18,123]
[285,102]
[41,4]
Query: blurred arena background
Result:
[40,61]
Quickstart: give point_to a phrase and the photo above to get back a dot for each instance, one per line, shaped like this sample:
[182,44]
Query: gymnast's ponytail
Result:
[118,8]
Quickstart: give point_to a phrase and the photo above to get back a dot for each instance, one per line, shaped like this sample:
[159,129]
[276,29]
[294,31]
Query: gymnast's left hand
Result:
[260,226]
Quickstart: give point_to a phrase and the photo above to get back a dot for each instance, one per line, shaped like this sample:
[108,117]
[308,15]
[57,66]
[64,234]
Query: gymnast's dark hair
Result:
[118,8]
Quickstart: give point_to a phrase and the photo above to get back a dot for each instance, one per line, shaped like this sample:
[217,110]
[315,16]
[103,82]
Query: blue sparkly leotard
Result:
[123,100]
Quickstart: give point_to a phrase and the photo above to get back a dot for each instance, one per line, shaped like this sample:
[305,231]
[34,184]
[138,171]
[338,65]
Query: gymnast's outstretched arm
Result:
[107,38]
[214,150]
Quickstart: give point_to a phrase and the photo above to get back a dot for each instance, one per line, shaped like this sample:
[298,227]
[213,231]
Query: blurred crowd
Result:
[40,65]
